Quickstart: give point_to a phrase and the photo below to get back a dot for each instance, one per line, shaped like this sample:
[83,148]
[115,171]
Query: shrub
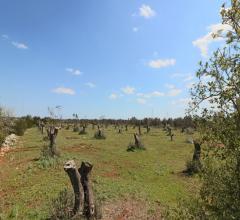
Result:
[2,137]
[46,159]
[30,122]
[20,127]
[191,209]
[61,206]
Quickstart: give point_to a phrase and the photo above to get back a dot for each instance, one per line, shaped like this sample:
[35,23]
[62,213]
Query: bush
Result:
[22,124]
[20,127]
[30,122]
[46,159]
[61,207]
[2,137]
[191,209]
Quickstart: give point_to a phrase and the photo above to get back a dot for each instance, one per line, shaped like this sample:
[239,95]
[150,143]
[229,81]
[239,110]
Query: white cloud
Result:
[19,45]
[188,78]
[63,90]
[159,63]
[135,29]
[70,70]
[182,101]
[151,95]
[90,85]
[169,86]
[128,90]
[75,72]
[157,94]
[214,35]
[113,96]
[174,92]
[141,101]
[5,36]
[146,11]
[177,75]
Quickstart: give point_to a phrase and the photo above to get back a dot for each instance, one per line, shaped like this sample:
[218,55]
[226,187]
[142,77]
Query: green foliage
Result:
[22,124]
[14,213]
[219,124]
[190,209]
[46,159]
[221,189]
[6,123]
[2,136]
[20,127]
[61,206]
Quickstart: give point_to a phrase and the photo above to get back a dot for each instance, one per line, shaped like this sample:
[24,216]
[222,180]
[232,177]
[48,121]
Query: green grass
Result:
[28,185]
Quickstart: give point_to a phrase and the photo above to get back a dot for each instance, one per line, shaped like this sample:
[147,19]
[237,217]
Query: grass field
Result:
[28,185]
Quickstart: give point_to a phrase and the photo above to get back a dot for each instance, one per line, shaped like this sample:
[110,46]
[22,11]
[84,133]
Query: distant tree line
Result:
[180,122]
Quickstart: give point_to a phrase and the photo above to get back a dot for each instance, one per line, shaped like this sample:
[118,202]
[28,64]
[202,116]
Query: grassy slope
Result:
[26,188]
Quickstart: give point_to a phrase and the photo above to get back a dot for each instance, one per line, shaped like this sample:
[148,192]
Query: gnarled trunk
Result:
[72,171]
[52,134]
[85,171]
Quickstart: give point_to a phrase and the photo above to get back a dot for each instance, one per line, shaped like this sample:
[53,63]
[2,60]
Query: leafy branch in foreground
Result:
[216,109]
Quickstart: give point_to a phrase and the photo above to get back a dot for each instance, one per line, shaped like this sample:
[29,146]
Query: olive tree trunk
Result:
[85,172]
[72,171]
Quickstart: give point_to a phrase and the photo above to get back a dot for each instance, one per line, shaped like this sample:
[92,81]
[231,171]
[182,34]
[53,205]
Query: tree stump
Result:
[73,173]
[171,136]
[169,131]
[148,129]
[99,132]
[137,140]
[139,130]
[85,171]
[52,134]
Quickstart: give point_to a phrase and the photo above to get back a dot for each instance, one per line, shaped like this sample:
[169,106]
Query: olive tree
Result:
[216,108]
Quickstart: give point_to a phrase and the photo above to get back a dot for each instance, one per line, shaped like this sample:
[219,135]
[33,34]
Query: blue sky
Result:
[112,58]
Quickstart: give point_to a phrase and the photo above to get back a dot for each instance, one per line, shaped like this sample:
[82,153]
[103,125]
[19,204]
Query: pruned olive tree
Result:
[216,107]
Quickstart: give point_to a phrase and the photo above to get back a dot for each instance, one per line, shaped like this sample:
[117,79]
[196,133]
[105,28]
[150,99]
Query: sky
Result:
[108,58]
